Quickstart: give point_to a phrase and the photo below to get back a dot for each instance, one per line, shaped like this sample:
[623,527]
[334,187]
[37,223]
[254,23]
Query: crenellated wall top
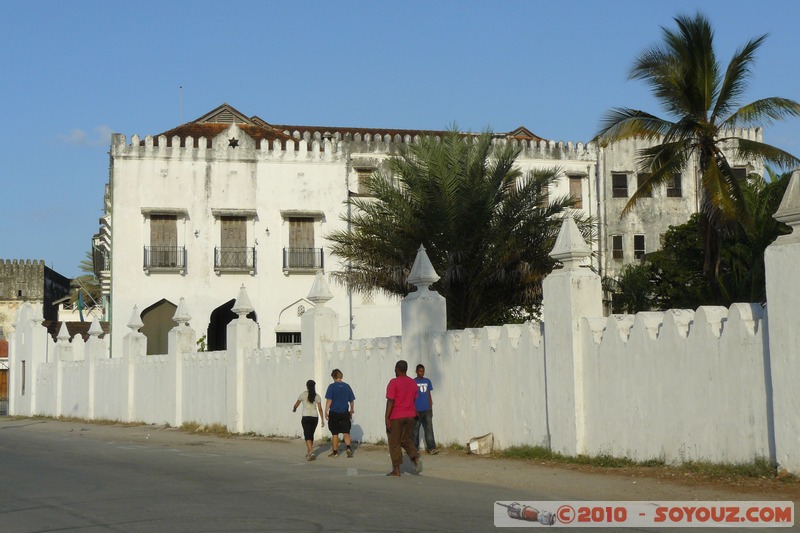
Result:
[317,147]
[741,319]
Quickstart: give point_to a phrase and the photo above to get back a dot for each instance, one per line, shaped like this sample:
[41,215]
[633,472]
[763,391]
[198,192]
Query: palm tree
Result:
[703,99]
[487,229]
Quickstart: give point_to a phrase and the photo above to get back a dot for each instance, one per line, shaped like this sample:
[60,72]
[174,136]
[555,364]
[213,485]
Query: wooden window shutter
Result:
[234,232]
[301,232]
[163,230]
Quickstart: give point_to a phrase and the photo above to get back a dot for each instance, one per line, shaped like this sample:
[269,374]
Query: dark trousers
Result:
[400,438]
[425,421]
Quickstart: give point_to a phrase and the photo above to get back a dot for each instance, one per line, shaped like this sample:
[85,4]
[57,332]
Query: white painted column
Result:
[37,353]
[63,352]
[242,335]
[181,342]
[134,346]
[781,260]
[95,350]
[423,311]
[318,326]
[570,293]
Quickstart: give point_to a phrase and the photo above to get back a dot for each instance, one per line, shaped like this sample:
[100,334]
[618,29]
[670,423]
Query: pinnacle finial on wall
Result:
[95,330]
[789,210]
[63,333]
[422,272]
[135,322]
[570,248]
[182,316]
[320,291]
[242,306]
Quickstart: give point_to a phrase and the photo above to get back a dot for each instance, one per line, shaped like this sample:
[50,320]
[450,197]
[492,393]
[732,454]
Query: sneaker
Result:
[418,466]
[333,454]
[349,453]
[433,451]
[311,457]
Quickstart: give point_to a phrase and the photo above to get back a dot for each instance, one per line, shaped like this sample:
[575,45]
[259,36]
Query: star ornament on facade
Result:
[233,142]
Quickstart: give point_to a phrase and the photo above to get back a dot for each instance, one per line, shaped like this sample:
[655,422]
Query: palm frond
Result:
[753,150]
[624,123]
[735,81]
[763,112]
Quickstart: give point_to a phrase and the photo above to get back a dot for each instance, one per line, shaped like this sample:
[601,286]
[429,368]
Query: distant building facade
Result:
[28,281]
[229,200]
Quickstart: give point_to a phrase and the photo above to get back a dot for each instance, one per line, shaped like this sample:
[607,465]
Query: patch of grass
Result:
[380,442]
[760,467]
[219,430]
[95,421]
[541,453]
[455,446]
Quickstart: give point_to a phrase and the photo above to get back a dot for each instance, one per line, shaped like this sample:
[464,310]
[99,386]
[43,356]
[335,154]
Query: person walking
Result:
[400,412]
[337,398]
[312,403]
[424,406]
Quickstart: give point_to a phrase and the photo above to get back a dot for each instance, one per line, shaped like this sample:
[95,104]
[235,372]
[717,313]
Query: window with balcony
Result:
[233,254]
[164,251]
[619,185]
[301,253]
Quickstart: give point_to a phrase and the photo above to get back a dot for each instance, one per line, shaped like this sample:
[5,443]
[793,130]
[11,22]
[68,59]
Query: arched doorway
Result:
[157,320]
[217,336]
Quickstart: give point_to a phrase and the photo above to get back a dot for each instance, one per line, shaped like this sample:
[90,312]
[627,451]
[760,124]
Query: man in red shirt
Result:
[400,412]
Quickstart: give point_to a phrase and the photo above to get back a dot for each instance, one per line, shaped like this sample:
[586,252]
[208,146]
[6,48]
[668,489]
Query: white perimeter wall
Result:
[676,386]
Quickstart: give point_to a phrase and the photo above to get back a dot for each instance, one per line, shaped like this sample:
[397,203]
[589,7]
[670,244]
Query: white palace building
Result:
[228,200]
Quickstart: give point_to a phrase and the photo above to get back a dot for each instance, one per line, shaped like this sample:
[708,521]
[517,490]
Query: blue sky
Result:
[74,72]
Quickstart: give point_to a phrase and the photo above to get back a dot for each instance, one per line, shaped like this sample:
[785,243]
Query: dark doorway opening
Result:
[157,320]
[217,335]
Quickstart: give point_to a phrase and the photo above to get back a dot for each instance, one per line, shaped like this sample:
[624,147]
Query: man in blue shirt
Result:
[424,406]
[337,398]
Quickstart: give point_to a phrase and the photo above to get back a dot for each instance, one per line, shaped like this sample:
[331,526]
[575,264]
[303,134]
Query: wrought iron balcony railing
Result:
[167,257]
[303,259]
[228,258]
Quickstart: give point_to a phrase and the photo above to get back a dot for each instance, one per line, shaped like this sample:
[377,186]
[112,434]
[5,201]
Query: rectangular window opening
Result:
[641,178]
[287,337]
[675,186]
[576,190]
[638,246]
[616,246]
[619,185]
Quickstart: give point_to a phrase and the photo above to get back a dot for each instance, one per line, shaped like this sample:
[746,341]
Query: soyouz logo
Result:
[643,514]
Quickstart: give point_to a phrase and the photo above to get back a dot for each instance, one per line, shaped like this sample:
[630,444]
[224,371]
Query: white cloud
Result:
[101,137]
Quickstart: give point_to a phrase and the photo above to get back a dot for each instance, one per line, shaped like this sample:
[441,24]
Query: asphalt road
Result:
[73,476]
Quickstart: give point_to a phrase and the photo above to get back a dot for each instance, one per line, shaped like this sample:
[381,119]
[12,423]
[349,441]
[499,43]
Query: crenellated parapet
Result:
[21,279]
[677,324]
[315,146]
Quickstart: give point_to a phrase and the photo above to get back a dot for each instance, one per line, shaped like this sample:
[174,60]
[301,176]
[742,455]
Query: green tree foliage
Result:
[487,228]
[675,278]
[632,290]
[703,98]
